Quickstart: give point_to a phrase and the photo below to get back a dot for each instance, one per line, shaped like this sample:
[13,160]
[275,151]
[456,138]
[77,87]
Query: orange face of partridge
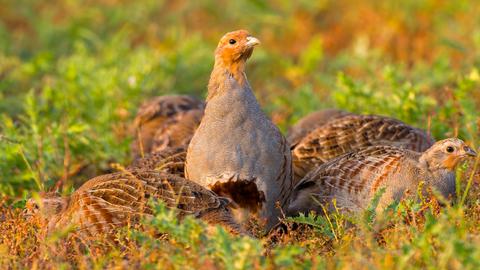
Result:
[234,49]
[46,206]
[447,154]
[231,56]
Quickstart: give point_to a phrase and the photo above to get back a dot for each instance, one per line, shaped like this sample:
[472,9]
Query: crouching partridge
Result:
[165,122]
[352,132]
[354,178]
[237,151]
[108,202]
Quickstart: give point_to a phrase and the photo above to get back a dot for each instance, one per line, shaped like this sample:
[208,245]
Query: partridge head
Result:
[446,154]
[46,205]
[231,55]
[440,161]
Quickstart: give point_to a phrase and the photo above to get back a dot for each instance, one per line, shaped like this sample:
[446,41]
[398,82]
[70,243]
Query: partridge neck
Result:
[222,72]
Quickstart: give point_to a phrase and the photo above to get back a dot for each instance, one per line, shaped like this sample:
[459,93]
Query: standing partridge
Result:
[350,133]
[312,121]
[237,151]
[354,178]
[164,122]
[108,202]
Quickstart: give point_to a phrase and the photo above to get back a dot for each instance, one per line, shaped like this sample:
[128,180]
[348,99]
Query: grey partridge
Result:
[310,122]
[237,151]
[352,132]
[108,202]
[353,179]
[165,122]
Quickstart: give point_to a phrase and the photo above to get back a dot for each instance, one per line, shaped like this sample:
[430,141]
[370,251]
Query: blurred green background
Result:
[73,73]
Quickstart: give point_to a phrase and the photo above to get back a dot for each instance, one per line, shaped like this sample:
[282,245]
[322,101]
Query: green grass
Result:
[73,73]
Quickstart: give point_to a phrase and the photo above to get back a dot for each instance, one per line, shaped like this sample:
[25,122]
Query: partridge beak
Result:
[252,41]
[469,151]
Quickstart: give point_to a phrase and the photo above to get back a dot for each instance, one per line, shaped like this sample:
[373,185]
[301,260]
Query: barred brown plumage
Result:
[170,160]
[311,121]
[353,179]
[352,132]
[164,122]
[108,202]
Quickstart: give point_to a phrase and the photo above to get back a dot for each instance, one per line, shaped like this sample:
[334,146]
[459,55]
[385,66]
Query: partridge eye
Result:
[36,206]
[450,149]
[232,41]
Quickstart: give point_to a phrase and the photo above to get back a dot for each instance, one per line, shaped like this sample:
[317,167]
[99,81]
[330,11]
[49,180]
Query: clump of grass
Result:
[160,241]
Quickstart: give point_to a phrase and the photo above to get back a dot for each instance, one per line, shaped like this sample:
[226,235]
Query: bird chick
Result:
[164,122]
[353,132]
[237,151]
[353,179]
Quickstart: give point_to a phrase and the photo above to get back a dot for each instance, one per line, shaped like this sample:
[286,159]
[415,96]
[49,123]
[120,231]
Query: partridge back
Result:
[354,132]
[310,122]
[156,117]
